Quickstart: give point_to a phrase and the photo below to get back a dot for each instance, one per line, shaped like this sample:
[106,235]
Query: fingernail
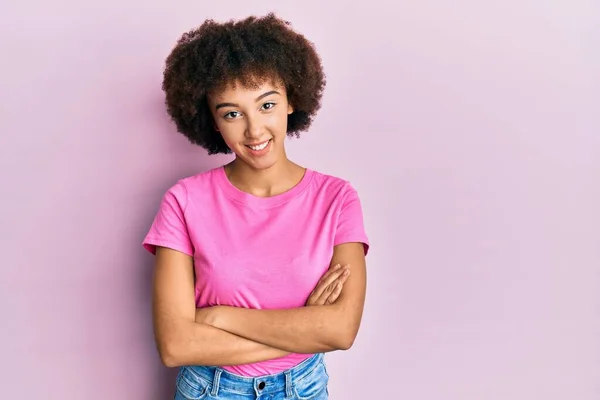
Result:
[337,266]
[347,272]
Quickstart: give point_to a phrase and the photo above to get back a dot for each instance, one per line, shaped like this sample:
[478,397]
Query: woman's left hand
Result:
[329,287]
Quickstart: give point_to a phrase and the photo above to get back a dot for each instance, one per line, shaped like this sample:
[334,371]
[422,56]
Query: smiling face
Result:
[253,121]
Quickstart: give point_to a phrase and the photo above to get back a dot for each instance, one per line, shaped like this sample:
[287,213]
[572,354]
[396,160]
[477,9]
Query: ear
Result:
[290,108]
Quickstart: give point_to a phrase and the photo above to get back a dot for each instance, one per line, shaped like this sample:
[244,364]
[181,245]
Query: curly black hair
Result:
[250,51]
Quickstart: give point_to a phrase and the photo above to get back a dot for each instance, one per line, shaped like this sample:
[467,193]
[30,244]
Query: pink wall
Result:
[471,131]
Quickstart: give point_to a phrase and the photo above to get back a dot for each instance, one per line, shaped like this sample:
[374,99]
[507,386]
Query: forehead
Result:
[250,89]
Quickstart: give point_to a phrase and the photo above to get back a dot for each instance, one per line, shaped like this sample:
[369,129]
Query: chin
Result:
[260,162]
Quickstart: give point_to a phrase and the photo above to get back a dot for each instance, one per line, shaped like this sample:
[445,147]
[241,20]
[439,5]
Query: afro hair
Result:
[248,51]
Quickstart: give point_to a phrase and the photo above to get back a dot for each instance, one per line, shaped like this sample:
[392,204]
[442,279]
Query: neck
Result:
[272,181]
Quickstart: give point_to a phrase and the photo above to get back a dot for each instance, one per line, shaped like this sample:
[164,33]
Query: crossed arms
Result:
[223,335]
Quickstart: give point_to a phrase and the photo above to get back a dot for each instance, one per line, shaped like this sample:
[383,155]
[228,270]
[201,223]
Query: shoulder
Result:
[332,185]
[193,186]
[200,181]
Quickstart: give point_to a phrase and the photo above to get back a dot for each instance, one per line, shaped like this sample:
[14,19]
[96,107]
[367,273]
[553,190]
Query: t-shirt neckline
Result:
[247,198]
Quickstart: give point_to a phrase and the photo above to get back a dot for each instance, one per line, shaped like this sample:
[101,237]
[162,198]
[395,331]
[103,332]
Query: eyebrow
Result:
[270,92]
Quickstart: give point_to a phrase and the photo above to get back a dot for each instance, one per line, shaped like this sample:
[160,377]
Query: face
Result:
[253,122]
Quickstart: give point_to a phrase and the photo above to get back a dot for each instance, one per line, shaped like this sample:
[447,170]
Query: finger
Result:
[319,300]
[335,294]
[330,271]
[326,281]
[323,292]
[329,294]
[323,286]
[316,297]
[322,299]
[335,287]
[344,277]
[341,275]
[312,301]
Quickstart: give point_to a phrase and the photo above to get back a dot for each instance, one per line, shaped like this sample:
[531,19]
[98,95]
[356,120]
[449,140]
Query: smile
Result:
[260,146]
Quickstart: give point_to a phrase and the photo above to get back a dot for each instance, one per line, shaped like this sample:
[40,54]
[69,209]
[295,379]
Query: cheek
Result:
[278,124]
[232,134]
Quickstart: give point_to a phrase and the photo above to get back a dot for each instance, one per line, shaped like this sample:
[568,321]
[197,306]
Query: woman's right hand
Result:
[329,287]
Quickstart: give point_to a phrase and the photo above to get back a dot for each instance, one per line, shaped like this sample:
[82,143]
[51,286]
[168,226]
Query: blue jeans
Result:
[306,381]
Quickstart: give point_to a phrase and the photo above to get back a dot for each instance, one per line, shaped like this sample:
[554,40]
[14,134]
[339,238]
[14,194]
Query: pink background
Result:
[471,130]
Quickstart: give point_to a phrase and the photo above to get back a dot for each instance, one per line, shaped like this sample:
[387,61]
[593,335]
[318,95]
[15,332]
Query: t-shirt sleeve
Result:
[350,226]
[169,228]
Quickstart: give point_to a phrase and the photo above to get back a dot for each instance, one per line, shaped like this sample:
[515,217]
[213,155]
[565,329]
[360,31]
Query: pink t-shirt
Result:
[257,252]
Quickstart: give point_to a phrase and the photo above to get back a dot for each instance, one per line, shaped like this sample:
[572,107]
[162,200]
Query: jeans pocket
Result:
[191,386]
[314,386]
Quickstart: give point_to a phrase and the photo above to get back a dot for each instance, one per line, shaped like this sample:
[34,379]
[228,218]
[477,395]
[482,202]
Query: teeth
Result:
[261,147]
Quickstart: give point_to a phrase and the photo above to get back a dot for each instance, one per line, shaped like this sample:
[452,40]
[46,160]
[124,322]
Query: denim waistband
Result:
[283,381]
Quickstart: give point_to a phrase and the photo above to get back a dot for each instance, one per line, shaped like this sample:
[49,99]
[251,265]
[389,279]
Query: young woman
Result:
[260,264]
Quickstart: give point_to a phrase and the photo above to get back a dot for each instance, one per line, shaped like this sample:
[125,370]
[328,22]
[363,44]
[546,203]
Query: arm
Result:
[306,329]
[182,341]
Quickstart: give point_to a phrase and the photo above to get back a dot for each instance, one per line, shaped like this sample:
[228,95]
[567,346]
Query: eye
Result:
[269,105]
[231,115]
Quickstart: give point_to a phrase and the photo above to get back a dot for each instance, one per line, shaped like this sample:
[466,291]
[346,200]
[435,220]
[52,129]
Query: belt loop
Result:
[216,379]
[288,385]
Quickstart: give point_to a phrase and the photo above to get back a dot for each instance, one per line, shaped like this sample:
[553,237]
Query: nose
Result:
[253,128]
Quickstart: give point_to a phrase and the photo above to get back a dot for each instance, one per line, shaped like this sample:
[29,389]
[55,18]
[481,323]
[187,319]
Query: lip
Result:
[256,144]
[259,153]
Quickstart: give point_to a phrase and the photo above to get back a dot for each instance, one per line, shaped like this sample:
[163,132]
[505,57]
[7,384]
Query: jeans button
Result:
[261,385]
